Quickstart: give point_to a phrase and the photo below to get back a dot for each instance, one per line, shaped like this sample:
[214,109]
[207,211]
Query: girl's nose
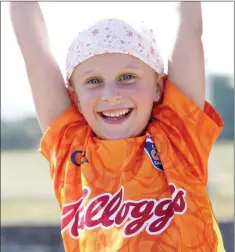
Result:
[111,93]
[111,98]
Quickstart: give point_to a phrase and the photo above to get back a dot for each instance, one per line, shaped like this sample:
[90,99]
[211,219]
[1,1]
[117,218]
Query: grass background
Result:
[27,193]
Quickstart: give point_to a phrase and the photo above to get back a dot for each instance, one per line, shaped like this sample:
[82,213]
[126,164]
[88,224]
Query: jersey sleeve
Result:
[191,131]
[58,138]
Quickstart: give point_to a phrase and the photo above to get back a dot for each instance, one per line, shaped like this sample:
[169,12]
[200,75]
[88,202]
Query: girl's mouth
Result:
[115,116]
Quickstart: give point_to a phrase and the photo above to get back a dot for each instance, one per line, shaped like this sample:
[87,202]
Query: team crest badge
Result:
[151,151]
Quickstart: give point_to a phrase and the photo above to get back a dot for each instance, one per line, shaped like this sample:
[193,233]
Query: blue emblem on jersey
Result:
[151,151]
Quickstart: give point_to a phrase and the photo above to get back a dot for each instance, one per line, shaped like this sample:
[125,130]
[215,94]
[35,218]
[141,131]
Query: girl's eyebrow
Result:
[88,72]
[130,68]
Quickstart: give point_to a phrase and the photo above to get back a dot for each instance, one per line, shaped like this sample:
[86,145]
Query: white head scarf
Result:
[114,36]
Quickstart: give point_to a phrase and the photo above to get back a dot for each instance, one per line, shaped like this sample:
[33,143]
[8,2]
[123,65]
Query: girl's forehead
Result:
[112,59]
[111,62]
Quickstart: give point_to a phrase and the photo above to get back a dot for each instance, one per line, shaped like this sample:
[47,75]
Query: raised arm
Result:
[46,81]
[186,62]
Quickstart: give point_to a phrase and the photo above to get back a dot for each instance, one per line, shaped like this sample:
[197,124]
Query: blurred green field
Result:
[27,192]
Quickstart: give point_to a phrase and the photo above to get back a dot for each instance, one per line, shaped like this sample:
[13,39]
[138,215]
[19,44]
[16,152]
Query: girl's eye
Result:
[94,81]
[126,77]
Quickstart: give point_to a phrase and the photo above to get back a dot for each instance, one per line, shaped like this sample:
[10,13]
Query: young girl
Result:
[128,147]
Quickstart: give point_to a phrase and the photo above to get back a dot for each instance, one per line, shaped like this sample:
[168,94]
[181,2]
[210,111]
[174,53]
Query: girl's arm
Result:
[46,81]
[186,62]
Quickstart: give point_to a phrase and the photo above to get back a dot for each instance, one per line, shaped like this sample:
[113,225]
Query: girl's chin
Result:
[114,135]
[121,133]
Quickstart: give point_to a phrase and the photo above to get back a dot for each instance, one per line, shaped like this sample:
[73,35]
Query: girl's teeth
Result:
[116,114]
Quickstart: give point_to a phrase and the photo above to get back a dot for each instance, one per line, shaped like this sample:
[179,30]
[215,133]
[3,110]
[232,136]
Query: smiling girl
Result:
[128,147]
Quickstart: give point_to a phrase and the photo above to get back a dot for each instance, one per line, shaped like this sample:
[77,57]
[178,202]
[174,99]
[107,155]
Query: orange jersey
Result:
[147,193]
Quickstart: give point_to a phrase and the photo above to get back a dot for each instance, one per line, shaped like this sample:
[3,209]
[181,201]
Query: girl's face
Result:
[116,93]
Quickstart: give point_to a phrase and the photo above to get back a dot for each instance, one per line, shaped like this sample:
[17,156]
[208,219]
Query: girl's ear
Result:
[73,95]
[159,87]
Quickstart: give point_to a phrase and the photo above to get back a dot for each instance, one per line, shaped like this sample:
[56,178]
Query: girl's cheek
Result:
[88,102]
[141,92]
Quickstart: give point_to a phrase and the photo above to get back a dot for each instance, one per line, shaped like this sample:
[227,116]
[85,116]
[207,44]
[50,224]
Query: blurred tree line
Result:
[223,102]
[20,134]
[26,134]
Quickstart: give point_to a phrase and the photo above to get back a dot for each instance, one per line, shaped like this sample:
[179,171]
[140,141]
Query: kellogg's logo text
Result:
[107,211]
